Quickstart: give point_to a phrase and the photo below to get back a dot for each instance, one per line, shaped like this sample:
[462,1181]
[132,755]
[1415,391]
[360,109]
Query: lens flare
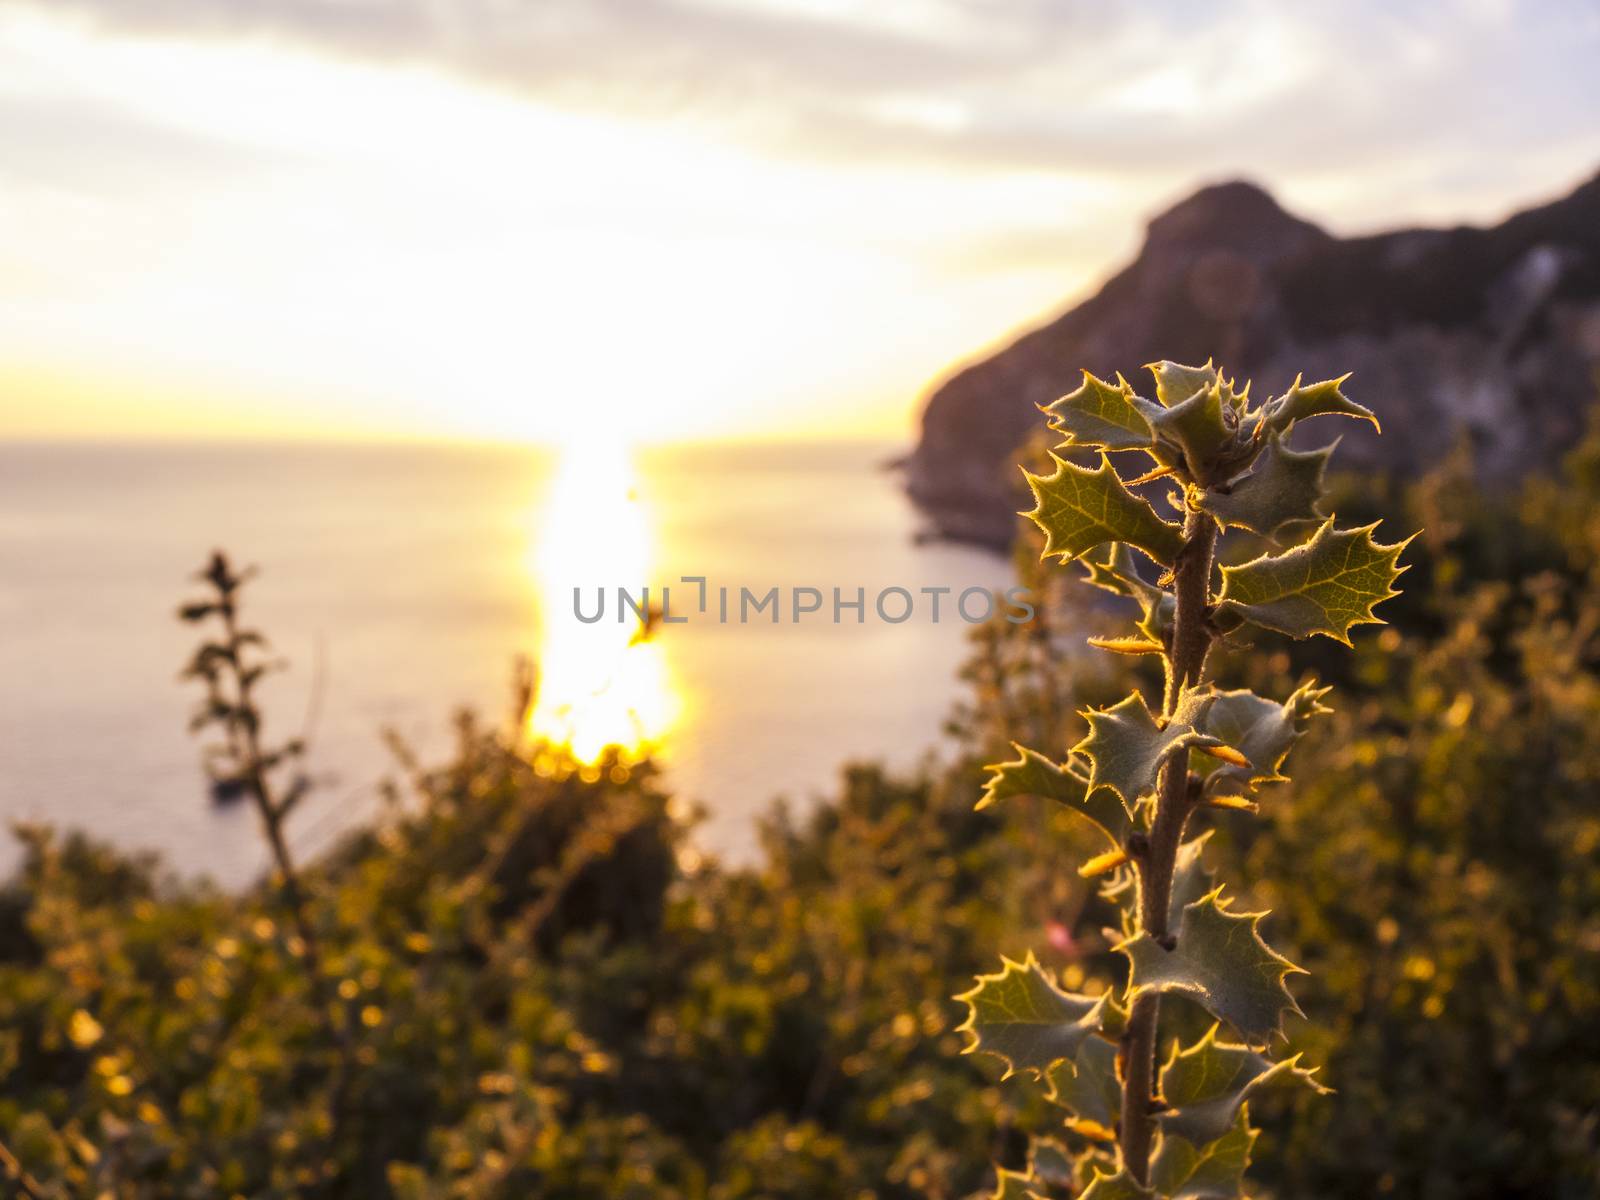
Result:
[603,685]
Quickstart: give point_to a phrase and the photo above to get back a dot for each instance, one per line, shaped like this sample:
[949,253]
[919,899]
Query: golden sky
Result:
[681,218]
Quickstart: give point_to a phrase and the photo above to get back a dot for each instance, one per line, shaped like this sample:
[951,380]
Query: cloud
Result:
[1157,92]
[738,191]
[69,144]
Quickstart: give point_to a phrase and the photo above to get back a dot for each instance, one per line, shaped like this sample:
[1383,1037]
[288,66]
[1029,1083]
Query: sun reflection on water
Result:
[604,685]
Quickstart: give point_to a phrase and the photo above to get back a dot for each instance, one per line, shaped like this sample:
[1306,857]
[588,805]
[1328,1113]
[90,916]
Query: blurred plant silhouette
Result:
[230,666]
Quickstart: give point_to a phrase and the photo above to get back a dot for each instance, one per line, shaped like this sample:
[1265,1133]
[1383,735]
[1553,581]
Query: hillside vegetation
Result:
[528,983]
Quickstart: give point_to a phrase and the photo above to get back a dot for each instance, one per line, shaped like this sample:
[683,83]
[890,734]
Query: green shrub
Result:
[551,997]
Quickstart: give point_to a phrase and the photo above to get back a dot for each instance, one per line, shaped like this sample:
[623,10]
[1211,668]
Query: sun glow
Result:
[244,237]
[604,685]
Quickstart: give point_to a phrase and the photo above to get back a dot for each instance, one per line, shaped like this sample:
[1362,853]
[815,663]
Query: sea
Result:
[398,585]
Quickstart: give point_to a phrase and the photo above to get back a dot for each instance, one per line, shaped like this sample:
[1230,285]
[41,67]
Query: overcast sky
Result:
[682,218]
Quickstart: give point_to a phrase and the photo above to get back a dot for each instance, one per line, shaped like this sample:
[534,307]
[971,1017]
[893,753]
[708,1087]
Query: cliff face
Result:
[1492,333]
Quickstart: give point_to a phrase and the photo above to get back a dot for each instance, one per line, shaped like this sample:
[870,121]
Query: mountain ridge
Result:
[1487,332]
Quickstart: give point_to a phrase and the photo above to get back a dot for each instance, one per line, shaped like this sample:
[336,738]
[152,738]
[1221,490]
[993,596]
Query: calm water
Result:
[407,579]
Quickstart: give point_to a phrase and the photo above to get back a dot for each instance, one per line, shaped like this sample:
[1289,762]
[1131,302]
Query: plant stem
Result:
[271,811]
[1186,660]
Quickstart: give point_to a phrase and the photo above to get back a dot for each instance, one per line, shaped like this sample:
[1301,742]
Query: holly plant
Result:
[1143,772]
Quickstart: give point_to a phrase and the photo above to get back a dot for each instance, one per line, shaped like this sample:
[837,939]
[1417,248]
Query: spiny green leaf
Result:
[1015,1185]
[1286,485]
[1080,508]
[1238,400]
[1156,620]
[1114,569]
[1221,962]
[1087,1086]
[1175,382]
[1120,1186]
[1050,1162]
[1132,646]
[1260,730]
[1126,747]
[1100,414]
[1090,1162]
[1190,881]
[1327,585]
[1201,426]
[1319,399]
[1021,1017]
[1184,1171]
[1032,774]
[1208,1084]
